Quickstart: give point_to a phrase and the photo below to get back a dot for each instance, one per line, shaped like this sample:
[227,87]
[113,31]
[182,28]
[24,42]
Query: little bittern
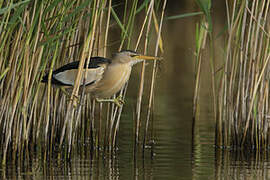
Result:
[105,77]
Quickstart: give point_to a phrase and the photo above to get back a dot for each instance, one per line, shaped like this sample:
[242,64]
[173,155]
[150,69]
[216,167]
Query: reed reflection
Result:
[241,165]
[95,165]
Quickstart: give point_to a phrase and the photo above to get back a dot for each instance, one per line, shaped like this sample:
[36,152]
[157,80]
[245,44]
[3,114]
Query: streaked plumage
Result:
[105,77]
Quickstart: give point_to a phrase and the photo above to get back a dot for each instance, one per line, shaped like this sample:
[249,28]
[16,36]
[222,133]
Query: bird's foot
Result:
[117,101]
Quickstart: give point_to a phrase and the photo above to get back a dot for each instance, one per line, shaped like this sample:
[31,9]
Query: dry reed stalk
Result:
[201,43]
[243,108]
[203,33]
[99,45]
[154,71]
[141,87]
[106,139]
[124,90]
[87,51]
[116,128]
[143,25]
[201,37]
[33,115]
[115,111]
[150,10]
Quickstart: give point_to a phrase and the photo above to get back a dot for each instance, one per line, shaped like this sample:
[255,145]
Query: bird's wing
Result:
[66,75]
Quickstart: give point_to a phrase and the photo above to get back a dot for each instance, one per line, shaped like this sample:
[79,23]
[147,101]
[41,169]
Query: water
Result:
[175,154]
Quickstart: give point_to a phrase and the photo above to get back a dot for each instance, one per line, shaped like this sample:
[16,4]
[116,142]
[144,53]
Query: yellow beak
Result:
[148,57]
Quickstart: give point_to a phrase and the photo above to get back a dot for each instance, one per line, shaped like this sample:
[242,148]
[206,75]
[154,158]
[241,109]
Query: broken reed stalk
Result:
[243,109]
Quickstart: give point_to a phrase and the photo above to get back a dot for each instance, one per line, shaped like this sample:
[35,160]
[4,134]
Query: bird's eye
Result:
[133,55]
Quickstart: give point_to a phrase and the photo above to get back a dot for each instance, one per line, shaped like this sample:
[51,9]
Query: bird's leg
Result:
[118,101]
[64,91]
[68,94]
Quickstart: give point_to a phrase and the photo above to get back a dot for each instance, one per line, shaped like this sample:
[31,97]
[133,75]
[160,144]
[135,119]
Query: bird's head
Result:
[131,57]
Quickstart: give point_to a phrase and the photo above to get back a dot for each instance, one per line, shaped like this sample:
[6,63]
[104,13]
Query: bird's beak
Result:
[147,57]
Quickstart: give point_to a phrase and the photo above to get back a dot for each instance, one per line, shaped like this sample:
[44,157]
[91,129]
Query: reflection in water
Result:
[242,165]
[94,166]
[209,162]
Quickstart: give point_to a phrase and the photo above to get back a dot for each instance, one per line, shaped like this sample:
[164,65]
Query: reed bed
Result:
[39,36]
[242,83]
[243,108]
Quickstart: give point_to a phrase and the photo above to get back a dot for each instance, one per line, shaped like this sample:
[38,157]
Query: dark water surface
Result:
[175,154]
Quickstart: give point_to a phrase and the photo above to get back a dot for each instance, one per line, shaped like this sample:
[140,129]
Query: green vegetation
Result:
[39,36]
[242,83]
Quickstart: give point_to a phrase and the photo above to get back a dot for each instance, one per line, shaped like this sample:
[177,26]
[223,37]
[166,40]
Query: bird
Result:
[105,77]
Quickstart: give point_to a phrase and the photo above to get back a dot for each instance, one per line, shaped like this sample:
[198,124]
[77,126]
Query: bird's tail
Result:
[45,79]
